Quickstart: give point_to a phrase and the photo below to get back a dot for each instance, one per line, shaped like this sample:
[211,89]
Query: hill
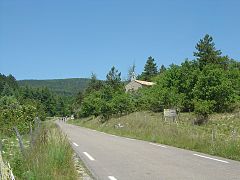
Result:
[66,87]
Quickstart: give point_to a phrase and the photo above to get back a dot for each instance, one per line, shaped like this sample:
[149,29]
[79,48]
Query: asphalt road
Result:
[117,158]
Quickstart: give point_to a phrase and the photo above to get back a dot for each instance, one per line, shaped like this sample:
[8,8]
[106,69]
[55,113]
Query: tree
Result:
[214,86]
[49,101]
[234,76]
[79,98]
[94,84]
[150,69]
[9,83]
[12,113]
[2,82]
[60,107]
[91,104]
[206,52]
[162,69]
[7,90]
[114,79]
[12,82]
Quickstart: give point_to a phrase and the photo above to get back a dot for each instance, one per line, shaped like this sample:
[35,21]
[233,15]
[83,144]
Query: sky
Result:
[52,39]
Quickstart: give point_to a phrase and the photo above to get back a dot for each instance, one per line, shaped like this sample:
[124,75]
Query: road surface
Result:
[111,157]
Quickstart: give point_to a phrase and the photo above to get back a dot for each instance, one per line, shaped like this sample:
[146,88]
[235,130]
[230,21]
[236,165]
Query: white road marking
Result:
[210,158]
[113,135]
[75,144]
[112,178]
[130,139]
[89,157]
[159,145]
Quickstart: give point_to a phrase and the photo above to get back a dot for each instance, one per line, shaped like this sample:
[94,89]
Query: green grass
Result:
[215,138]
[51,157]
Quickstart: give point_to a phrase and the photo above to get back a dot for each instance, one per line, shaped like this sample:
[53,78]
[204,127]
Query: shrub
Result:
[13,114]
[202,109]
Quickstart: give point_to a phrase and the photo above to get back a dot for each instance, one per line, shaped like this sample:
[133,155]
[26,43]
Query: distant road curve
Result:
[112,157]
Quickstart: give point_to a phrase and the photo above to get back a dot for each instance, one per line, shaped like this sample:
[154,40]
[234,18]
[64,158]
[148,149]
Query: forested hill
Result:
[61,86]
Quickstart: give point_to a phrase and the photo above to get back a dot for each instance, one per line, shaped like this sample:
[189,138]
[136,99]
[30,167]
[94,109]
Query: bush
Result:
[122,103]
[202,109]
[13,114]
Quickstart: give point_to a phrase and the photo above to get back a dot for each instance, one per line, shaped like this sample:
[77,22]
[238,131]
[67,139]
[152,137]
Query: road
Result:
[112,157]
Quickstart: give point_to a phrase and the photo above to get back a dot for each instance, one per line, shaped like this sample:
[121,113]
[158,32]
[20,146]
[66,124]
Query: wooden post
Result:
[36,129]
[234,134]
[10,172]
[19,141]
[31,135]
[213,135]
[0,145]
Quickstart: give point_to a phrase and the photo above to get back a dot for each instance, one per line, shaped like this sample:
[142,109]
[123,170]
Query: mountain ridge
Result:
[66,87]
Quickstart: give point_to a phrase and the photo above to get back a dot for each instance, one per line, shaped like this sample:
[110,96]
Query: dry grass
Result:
[51,158]
[220,136]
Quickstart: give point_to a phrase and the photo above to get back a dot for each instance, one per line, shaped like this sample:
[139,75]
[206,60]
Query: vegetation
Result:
[20,105]
[104,99]
[51,157]
[210,83]
[205,91]
[202,87]
[220,136]
[62,87]
[150,70]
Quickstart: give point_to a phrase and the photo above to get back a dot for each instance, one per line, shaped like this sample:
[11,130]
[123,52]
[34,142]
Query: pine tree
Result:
[79,98]
[150,69]
[162,69]
[60,107]
[206,52]
[114,78]
[94,84]
[7,90]
[12,81]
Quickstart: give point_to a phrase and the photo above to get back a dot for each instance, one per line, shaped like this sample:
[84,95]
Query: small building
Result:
[134,85]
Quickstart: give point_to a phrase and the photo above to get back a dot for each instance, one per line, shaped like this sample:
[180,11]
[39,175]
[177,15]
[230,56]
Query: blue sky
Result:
[71,38]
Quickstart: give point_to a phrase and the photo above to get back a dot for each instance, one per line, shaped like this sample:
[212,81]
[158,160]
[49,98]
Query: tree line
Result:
[209,83]
[62,87]
[20,105]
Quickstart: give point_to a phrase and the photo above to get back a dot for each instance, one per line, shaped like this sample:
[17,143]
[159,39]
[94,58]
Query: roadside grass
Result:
[51,158]
[220,136]
[11,152]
